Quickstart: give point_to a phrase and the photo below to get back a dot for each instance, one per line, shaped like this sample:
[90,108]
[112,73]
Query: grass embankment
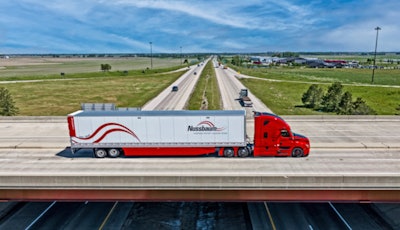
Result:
[206,95]
[60,97]
[284,97]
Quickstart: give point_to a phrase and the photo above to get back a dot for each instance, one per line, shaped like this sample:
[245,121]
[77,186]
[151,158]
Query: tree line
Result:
[335,100]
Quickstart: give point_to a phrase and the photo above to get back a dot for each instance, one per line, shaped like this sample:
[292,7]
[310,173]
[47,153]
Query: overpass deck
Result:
[39,167]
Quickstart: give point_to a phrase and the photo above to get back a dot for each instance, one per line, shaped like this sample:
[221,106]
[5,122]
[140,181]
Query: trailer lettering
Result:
[201,129]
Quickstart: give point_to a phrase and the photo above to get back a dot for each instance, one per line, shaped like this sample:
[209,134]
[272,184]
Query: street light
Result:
[376,45]
[151,55]
[181,55]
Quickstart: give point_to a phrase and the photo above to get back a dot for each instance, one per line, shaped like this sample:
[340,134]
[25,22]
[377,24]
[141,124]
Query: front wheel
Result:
[297,152]
[100,153]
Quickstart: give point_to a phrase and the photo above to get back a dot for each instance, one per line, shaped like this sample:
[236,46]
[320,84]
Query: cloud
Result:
[198,26]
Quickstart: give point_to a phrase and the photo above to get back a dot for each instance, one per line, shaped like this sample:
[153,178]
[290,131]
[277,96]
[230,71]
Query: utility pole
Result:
[181,55]
[151,55]
[376,45]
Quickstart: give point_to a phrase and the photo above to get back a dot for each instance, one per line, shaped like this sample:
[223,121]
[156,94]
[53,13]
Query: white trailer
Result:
[158,133]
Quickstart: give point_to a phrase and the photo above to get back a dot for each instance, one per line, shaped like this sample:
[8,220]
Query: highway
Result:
[341,146]
[177,100]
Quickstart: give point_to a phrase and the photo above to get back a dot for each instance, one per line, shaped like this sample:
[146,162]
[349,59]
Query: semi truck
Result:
[182,133]
[244,99]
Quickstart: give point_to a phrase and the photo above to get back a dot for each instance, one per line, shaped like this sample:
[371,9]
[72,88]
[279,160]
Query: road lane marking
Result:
[270,216]
[340,216]
[108,216]
[40,216]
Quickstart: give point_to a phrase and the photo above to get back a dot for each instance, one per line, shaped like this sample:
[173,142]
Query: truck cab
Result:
[273,137]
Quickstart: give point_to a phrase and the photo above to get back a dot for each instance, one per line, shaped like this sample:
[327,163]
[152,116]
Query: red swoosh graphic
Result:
[209,123]
[114,130]
[122,129]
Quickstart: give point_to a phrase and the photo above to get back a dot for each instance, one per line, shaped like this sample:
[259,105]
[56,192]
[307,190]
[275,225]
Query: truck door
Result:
[285,142]
[263,138]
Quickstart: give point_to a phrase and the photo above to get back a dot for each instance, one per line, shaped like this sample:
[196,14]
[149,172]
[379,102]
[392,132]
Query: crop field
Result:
[39,67]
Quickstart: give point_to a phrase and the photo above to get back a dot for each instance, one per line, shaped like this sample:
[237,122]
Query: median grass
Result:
[206,95]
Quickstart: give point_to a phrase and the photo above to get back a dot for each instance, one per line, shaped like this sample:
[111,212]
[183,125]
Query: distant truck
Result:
[182,133]
[244,99]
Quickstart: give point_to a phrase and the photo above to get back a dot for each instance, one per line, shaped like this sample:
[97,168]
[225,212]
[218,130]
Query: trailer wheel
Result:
[297,152]
[228,152]
[114,153]
[243,152]
[100,153]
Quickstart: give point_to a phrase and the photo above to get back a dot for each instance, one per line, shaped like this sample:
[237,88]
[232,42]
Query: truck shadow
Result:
[67,153]
[87,153]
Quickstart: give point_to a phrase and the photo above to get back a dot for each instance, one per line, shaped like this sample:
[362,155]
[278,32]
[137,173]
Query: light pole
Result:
[376,45]
[151,55]
[181,55]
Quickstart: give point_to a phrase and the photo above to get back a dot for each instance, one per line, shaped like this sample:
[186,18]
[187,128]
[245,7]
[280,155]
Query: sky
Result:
[194,26]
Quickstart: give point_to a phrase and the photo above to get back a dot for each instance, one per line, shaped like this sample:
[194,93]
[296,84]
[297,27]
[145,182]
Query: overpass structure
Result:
[351,160]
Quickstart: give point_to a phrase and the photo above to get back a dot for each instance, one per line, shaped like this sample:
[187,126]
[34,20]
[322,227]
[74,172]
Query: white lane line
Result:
[40,216]
[340,216]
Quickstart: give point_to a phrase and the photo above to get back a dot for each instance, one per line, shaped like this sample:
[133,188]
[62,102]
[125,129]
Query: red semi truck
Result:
[182,133]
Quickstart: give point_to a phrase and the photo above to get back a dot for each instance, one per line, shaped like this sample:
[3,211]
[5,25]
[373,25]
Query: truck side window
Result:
[265,135]
[266,123]
[284,133]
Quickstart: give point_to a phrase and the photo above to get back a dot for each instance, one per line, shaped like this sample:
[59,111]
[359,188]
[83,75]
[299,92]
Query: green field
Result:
[389,77]
[281,88]
[60,97]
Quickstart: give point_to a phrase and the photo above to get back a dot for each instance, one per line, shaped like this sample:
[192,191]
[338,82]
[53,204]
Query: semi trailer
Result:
[182,133]
[244,99]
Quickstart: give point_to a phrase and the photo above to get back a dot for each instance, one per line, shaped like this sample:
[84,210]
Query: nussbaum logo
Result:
[204,126]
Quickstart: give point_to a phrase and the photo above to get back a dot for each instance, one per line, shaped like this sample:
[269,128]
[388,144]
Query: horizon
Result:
[359,53]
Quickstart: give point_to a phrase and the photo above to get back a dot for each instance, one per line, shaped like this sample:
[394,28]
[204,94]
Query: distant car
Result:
[194,73]
[174,88]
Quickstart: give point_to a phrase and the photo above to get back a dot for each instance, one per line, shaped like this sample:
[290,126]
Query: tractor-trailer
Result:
[182,133]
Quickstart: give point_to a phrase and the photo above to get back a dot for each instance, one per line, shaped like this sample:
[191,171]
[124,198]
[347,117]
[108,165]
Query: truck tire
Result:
[243,152]
[100,153]
[228,152]
[297,152]
[113,153]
